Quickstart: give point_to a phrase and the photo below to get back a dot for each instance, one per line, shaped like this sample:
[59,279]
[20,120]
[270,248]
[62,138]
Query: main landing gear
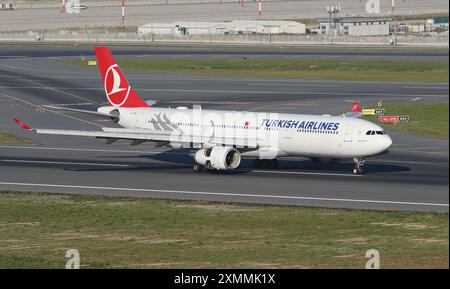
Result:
[358,166]
[197,168]
[265,164]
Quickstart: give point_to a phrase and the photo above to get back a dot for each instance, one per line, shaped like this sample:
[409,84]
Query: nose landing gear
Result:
[358,166]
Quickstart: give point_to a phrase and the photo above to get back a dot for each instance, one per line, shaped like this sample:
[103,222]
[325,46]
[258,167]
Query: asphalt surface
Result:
[36,51]
[413,176]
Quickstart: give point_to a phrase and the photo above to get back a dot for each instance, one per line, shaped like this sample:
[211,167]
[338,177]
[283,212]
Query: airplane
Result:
[219,139]
[79,6]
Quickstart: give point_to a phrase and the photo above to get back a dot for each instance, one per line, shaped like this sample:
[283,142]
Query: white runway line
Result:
[64,163]
[89,150]
[296,85]
[237,91]
[302,173]
[425,87]
[225,194]
[186,153]
[246,80]
[411,150]
[407,162]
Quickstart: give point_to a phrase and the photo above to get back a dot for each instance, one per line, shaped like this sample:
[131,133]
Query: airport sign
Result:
[389,118]
[373,111]
[403,118]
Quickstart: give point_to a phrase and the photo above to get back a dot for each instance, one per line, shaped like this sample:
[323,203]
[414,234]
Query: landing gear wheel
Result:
[359,163]
[197,168]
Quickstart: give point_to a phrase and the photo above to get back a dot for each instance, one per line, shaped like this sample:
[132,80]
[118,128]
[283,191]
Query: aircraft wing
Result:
[142,135]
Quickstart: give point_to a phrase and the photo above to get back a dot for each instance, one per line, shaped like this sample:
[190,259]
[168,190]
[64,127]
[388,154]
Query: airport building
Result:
[221,28]
[7,6]
[354,26]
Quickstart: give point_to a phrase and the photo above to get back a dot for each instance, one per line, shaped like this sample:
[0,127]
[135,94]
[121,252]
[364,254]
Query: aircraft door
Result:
[348,135]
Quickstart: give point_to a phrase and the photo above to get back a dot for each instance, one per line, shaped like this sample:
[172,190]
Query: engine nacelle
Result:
[220,158]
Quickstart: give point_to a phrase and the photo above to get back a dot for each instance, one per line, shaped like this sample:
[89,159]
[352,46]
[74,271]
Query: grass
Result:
[6,138]
[375,70]
[425,119]
[110,232]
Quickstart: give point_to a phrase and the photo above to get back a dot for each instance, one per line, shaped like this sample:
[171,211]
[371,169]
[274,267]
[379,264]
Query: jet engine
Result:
[220,158]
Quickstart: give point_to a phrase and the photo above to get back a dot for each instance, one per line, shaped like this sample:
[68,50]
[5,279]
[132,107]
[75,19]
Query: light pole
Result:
[332,12]
[395,22]
[123,13]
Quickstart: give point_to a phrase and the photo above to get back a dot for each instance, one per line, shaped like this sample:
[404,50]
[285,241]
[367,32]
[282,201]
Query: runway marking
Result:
[60,89]
[52,111]
[89,150]
[227,79]
[71,104]
[65,163]
[298,85]
[210,102]
[416,99]
[425,87]
[407,162]
[186,153]
[226,194]
[281,105]
[421,148]
[14,56]
[417,150]
[301,173]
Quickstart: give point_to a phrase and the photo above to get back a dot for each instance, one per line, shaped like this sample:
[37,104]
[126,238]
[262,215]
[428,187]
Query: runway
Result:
[175,51]
[413,176]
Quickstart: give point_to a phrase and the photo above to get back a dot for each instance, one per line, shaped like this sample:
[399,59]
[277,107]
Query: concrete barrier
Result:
[438,40]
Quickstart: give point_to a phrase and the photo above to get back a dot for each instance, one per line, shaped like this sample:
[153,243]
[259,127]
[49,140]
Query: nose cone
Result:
[387,142]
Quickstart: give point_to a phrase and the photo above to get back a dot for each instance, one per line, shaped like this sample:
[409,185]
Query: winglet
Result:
[22,124]
[356,110]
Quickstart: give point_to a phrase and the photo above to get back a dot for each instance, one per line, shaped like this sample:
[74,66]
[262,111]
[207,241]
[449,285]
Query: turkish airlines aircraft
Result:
[220,138]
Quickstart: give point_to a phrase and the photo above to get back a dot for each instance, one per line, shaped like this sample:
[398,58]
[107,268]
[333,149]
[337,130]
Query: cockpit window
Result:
[378,132]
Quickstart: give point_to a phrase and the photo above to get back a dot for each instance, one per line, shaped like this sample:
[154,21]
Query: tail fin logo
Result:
[356,107]
[116,94]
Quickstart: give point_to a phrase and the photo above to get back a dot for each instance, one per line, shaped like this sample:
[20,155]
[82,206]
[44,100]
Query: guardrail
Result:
[264,39]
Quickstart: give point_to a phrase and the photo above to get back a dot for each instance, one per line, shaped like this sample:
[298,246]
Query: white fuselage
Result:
[277,134]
